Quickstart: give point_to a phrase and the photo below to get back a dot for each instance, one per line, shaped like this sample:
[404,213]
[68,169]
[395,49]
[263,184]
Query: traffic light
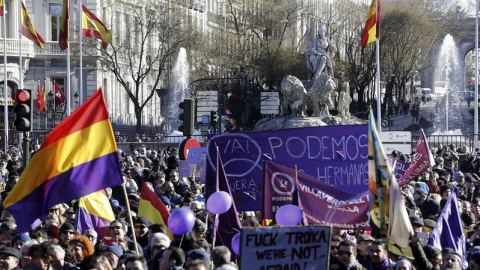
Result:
[23,110]
[213,118]
[187,116]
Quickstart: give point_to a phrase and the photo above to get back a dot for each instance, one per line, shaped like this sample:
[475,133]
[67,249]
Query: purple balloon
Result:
[181,221]
[288,215]
[236,243]
[219,202]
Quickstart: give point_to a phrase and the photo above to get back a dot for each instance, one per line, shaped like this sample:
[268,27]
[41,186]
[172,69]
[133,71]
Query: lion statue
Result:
[320,93]
[294,93]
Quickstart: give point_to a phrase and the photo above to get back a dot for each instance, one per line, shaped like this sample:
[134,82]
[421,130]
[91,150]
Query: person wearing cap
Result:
[141,231]
[472,191]
[196,265]
[363,244]
[70,215]
[67,231]
[198,254]
[113,253]
[19,240]
[9,258]
[428,207]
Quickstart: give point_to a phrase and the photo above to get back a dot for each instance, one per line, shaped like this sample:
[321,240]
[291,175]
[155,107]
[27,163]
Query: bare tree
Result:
[138,57]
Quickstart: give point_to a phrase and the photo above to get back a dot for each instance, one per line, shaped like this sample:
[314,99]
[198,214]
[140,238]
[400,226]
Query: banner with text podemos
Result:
[322,203]
[292,248]
[336,155]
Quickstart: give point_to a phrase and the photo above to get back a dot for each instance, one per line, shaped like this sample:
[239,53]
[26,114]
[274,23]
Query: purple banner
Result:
[400,168]
[420,162]
[322,203]
[336,155]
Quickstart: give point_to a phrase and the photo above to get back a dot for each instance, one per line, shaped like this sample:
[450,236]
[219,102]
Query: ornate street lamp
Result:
[76,100]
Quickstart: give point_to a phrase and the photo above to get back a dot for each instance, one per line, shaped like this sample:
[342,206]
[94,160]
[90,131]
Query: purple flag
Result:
[448,231]
[322,204]
[228,223]
[420,162]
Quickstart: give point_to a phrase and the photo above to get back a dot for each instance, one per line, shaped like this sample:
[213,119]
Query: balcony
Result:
[29,49]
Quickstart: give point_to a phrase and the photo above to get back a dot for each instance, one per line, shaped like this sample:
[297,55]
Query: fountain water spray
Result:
[448,70]
[179,88]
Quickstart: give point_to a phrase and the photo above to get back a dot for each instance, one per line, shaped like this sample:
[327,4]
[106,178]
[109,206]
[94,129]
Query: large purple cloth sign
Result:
[336,155]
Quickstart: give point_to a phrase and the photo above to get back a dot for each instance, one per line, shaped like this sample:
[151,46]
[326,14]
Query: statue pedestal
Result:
[285,122]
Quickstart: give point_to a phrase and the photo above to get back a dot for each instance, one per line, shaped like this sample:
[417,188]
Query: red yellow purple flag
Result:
[95,212]
[371,32]
[64,26]
[77,158]
[28,30]
[93,27]
[2,3]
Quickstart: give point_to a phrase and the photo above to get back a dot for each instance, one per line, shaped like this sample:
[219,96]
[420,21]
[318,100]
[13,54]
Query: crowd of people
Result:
[57,243]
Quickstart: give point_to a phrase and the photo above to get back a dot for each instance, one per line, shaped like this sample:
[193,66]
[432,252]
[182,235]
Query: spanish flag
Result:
[64,26]
[2,3]
[152,208]
[28,30]
[77,158]
[93,27]
[371,32]
[95,212]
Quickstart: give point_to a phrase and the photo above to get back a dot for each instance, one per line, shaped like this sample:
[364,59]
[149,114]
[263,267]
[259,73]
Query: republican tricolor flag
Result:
[77,158]
[371,32]
[95,212]
[1,7]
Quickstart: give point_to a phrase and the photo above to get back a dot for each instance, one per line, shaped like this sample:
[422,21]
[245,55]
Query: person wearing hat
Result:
[113,253]
[363,244]
[453,261]
[80,248]
[9,258]
[141,231]
[428,207]
[472,191]
[70,215]
[474,258]
[67,231]
[198,254]
[19,240]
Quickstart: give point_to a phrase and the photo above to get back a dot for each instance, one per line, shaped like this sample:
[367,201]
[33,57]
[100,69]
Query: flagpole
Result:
[68,80]
[217,188]
[5,87]
[80,40]
[130,218]
[20,66]
[475,122]
[377,81]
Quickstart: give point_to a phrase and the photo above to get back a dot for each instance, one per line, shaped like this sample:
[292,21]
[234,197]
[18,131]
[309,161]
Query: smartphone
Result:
[423,235]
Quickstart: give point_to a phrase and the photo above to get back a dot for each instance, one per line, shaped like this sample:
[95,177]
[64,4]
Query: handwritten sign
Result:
[336,155]
[195,154]
[293,248]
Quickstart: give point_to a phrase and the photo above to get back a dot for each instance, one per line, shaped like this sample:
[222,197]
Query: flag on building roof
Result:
[152,208]
[93,27]
[58,92]
[2,3]
[371,32]
[77,158]
[64,26]
[448,231]
[28,30]
[383,185]
[95,212]
[40,103]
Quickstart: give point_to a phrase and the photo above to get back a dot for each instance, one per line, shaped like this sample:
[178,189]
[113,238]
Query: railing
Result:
[434,141]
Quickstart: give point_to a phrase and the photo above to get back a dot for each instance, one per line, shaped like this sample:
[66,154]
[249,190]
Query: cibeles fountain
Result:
[319,94]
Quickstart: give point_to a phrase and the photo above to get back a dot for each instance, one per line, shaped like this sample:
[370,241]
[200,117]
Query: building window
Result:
[55,11]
